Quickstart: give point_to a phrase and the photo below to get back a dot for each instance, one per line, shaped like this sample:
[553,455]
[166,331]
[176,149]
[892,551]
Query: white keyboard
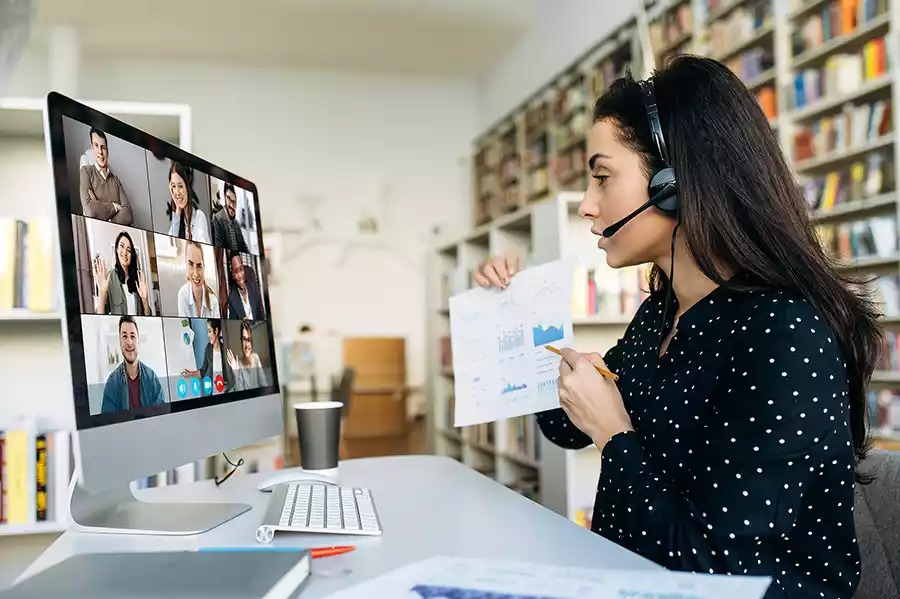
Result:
[319,508]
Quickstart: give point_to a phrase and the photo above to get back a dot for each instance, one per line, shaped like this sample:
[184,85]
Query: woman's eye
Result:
[600,178]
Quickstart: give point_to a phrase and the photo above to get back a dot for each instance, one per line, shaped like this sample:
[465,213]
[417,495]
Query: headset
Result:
[662,188]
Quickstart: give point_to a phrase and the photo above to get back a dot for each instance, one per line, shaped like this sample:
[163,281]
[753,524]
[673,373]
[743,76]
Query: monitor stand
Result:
[118,511]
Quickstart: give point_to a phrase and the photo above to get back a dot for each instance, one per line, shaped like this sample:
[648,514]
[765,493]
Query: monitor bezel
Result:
[59,106]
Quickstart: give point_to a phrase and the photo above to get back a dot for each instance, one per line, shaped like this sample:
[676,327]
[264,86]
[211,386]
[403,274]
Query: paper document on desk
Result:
[461,578]
[501,368]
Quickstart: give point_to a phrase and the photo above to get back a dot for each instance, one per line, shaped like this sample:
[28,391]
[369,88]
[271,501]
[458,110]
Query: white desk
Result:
[428,505]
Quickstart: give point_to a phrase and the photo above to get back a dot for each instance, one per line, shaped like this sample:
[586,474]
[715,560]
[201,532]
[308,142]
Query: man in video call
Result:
[101,191]
[244,300]
[226,229]
[132,384]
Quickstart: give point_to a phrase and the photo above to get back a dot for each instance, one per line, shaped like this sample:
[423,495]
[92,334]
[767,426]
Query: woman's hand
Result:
[497,271]
[143,291]
[232,361]
[102,278]
[592,401]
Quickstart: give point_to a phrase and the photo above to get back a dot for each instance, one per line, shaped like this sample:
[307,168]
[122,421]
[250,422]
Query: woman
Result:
[213,364]
[248,371]
[122,290]
[196,299]
[187,220]
[730,442]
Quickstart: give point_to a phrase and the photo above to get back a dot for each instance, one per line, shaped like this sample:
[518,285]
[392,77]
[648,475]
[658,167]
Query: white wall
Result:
[343,138]
[561,31]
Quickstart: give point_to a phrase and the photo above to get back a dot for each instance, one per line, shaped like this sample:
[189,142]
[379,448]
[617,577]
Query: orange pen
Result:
[604,372]
[329,551]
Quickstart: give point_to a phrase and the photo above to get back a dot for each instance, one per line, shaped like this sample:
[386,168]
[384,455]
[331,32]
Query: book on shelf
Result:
[843,73]
[834,19]
[889,360]
[672,30]
[855,126]
[869,177]
[583,516]
[599,290]
[446,353]
[482,434]
[524,438]
[35,471]
[884,412]
[875,236]
[26,265]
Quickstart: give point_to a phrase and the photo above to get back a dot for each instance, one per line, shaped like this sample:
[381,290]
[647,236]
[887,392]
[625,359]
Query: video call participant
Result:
[132,384]
[213,362]
[102,194]
[195,298]
[244,300]
[123,289]
[187,219]
[226,229]
[248,370]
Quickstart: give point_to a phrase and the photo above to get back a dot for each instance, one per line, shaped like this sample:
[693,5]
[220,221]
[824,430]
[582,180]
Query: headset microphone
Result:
[662,195]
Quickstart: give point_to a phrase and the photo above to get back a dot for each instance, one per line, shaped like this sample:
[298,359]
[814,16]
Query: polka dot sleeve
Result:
[556,425]
[735,497]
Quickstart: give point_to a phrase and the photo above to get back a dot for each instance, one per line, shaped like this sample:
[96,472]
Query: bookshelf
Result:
[31,323]
[830,94]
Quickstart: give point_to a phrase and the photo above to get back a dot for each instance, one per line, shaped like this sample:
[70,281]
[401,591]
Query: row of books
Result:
[864,238]
[890,353]
[524,437]
[885,292]
[834,19]
[672,27]
[768,101]
[843,74]
[884,412]
[601,290]
[482,434]
[751,64]
[26,265]
[739,26]
[35,471]
[872,176]
[853,127]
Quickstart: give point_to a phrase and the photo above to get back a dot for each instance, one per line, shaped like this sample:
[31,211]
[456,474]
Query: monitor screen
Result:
[164,277]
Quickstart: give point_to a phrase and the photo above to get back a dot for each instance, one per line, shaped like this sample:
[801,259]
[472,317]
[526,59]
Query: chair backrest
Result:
[878,527]
[343,391]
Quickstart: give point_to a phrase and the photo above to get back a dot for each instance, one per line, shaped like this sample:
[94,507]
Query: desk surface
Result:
[428,505]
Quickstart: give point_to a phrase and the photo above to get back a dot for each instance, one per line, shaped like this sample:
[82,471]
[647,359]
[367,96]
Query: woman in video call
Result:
[187,219]
[248,370]
[213,362]
[196,299]
[731,439]
[123,289]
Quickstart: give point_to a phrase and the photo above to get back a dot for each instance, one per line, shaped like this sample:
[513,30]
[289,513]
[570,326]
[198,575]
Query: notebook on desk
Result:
[170,575]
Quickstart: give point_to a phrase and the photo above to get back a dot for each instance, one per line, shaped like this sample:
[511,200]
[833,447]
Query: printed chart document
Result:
[501,368]
[461,578]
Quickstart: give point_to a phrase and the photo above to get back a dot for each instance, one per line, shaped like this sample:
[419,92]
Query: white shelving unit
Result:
[546,230]
[33,365]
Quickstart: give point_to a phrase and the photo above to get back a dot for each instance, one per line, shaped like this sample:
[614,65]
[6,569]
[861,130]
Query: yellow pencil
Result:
[604,372]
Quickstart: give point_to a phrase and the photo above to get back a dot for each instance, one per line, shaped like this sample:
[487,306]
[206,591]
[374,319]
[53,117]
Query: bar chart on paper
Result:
[498,341]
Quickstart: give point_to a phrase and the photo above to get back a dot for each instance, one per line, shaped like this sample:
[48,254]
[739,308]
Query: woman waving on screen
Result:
[731,439]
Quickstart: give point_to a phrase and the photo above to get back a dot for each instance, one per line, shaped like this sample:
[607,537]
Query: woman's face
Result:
[124,251]
[178,190]
[194,260]
[246,343]
[618,186]
[211,333]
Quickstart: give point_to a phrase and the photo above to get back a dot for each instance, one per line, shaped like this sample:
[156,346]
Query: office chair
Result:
[878,528]
[343,392]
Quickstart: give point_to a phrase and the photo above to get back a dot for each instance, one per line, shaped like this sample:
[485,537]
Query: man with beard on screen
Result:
[226,229]
[132,384]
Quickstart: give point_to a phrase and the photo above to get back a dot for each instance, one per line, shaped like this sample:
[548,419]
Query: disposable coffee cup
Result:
[319,430]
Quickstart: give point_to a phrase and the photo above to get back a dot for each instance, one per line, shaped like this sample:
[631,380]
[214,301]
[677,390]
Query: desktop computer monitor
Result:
[166,316]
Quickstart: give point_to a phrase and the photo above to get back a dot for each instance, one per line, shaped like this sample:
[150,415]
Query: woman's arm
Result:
[556,425]
[777,418]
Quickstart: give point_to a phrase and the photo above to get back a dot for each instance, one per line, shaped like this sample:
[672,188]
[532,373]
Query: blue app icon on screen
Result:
[207,386]
[182,388]
[195,386]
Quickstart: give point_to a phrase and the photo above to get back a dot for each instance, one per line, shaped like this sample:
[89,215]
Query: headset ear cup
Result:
[663,190]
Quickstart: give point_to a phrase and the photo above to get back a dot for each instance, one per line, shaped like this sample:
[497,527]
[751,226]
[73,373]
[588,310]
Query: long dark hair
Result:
[132,267]
[187,175]
[741,207]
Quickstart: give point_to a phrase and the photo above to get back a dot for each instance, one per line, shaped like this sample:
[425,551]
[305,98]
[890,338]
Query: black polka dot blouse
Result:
[741,460]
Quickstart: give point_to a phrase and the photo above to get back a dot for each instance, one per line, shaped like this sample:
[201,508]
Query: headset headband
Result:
[649,98]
